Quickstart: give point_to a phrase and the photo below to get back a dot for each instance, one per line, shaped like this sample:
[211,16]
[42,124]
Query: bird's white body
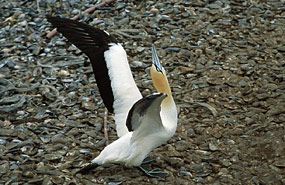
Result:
[132,148]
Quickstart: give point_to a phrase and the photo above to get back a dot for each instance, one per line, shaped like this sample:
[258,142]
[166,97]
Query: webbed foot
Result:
[156,173]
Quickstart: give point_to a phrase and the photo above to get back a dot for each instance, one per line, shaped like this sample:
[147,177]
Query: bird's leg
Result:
[156,173]
[105,126]
[148,160]
[87,168]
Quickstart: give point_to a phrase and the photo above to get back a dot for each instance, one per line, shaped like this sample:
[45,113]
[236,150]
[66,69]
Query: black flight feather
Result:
[93,42]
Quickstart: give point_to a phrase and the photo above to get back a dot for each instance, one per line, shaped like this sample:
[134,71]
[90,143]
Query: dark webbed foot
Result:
[148,160]
[87,168]
[156,173]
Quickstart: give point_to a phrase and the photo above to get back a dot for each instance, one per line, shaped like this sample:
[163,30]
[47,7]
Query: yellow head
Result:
[158,76]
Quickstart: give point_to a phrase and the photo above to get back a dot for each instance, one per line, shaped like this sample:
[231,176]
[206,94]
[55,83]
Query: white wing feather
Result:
[125,90]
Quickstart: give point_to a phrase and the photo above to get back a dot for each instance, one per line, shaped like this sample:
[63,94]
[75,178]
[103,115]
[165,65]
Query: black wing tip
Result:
[70,26]
[53,19]
[93,42]
[87,168]
[59,22]
[50,16]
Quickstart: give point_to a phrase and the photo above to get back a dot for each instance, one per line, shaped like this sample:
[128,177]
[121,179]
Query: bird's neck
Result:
[169,114]
[160,82]
[162,86]
[168,108]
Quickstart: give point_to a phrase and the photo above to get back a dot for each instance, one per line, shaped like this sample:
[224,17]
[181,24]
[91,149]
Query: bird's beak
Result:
[155,60]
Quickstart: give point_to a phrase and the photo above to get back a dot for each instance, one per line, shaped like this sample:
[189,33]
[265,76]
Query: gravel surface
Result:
[226,65]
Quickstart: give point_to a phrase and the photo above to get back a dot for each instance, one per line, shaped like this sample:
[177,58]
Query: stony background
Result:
[225,62]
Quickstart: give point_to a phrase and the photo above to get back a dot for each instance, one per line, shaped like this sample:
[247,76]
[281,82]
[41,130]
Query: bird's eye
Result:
[158,69]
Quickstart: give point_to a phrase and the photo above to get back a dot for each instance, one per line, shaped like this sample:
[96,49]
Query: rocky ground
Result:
[226,65]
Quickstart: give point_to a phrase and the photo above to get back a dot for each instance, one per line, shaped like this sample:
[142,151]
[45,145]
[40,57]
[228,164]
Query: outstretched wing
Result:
[110,66]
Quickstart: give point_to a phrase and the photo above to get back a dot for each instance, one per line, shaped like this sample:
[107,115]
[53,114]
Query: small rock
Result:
[4,167]
[84,151]
[63,73]
[29,174]
[138,64]
[213,147]
[154,10]
[190,132]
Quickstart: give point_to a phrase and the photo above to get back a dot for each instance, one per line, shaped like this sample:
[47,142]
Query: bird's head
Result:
[158,75]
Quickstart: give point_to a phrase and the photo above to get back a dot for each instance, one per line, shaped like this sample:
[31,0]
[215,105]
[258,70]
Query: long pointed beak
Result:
[155,60]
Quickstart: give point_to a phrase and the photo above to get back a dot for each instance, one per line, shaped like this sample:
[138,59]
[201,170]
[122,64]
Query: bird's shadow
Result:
[119,173]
